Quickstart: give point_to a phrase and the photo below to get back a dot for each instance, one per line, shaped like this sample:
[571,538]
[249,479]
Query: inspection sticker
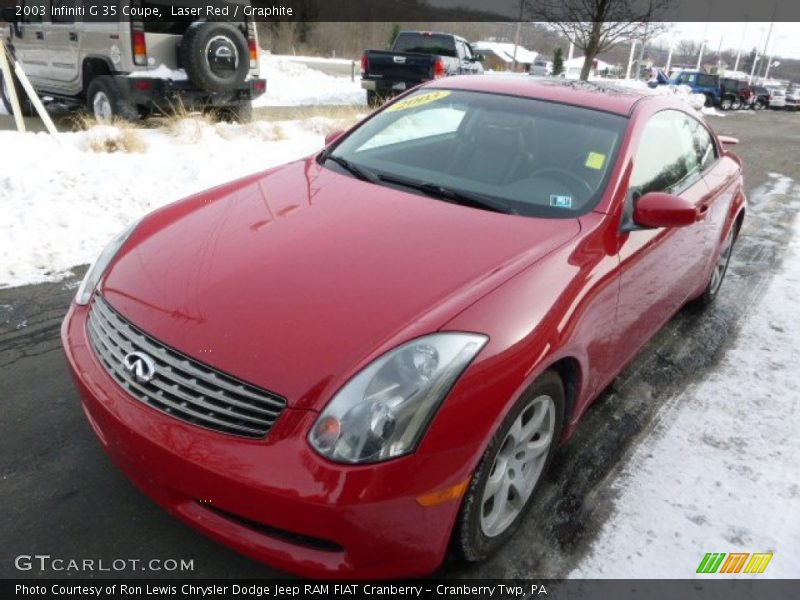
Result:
[595,160]
[416,101]
[560,201]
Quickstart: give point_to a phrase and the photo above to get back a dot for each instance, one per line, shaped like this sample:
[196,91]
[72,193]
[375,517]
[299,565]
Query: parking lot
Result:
[63,497]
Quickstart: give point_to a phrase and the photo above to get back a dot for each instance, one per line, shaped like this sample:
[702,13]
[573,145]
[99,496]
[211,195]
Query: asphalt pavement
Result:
[62,497]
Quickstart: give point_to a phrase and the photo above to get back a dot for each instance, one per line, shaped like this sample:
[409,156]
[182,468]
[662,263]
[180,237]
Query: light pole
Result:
[630,60]
[700,56]
[739,51]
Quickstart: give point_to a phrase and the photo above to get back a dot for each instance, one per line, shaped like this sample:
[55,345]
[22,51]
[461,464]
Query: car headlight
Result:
[384,410]
[99,266]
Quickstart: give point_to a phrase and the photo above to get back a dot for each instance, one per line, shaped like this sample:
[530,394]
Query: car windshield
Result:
[517,155]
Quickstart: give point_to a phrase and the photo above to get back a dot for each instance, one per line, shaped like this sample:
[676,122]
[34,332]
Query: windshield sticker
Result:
[560,201]
[416,101]
[595,160]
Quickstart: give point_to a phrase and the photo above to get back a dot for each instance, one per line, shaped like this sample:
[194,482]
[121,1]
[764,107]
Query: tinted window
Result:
[667,158]
[536,158]
[442,45]
[706,80]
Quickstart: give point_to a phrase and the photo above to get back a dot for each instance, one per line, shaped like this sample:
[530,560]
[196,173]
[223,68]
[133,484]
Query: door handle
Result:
[73,37]
[40,35]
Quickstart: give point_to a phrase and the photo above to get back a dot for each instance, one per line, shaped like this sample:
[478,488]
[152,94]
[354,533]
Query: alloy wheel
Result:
[517,466]
[722,264]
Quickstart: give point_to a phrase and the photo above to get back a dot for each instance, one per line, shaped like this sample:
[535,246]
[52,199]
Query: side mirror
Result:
[333,136]
[478,57]
[658,209]
[9,14]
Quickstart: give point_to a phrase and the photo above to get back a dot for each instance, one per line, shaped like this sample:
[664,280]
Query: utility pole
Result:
[739,51]
[516,35]
[630,60]
[769,33]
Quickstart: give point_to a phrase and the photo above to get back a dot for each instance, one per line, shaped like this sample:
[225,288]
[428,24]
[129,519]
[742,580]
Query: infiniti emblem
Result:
[140,366]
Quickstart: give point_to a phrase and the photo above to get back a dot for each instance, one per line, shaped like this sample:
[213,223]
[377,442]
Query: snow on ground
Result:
[723,476]
[76,199]
[291,83]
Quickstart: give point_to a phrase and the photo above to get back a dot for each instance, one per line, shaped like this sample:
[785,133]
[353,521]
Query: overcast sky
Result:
[784,41]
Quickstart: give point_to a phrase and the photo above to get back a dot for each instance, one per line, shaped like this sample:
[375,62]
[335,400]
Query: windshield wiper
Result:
[359,172]
[450,194]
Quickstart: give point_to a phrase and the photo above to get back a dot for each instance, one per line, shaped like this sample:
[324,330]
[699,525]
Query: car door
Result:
[30,48]
[62,38]
[660,267]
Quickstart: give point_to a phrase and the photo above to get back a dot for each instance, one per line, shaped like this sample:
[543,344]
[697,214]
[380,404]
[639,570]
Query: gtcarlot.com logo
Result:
[734,562]
[46,562]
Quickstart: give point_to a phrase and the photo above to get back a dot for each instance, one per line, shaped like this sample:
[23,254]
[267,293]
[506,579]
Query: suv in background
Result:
[702,83]
[736,94]
[130,68]
[793,97]
[541,68]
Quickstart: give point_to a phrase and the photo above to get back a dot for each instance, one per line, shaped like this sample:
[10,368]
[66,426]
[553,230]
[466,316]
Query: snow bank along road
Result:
[62,497]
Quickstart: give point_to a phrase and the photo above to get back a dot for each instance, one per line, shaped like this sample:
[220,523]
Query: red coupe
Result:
[345,365]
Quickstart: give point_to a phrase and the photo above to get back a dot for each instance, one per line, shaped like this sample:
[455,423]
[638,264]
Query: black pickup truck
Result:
[415,57]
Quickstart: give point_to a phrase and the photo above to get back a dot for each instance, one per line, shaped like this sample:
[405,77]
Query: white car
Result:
[777,98]
[793,98]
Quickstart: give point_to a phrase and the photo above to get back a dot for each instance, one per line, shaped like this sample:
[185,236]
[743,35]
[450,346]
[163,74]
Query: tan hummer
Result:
[118,59]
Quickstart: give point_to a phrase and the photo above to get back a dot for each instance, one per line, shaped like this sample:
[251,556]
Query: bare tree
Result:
[596,26]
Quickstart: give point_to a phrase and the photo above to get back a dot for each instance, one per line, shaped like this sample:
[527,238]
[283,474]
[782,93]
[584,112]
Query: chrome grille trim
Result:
[183,387]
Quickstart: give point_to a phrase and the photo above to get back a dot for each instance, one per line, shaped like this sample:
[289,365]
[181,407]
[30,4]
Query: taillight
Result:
[438,68]
[139,44]
[364,64]
[252,44]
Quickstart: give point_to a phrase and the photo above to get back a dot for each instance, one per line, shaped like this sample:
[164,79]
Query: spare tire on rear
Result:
[215,56]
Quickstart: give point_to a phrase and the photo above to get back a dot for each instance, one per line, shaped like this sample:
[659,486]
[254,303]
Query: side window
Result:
[63,11]
[461,49]
[705,80]
[704,146]
[666,159]
[33,11]
[468,53]
[691,78]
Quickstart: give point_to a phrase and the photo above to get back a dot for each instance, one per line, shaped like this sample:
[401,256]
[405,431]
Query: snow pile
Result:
[724,476]
[80,198]
[291,83]
[162,72]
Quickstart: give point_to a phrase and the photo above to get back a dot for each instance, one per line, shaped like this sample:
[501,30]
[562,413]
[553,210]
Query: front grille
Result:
[181,387]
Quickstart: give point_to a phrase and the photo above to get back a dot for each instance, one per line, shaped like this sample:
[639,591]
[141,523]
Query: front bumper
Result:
[275,499]
[165,94]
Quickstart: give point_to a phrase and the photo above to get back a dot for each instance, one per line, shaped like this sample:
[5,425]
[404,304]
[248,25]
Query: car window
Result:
[417,125]
[704,146]
[426,43]
[666,160]
[532,157]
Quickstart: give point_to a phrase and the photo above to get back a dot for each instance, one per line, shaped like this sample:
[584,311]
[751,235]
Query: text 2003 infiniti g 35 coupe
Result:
[346,364]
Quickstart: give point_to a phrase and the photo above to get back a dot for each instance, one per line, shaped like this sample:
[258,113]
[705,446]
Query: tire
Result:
[25,105]
[711,290]
[726,103]
[239,113]
[476,535]
[215,55]
[106,102]
[709,100]
[736,104]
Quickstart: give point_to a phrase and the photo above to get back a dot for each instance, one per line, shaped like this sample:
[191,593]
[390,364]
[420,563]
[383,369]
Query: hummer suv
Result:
[131,66]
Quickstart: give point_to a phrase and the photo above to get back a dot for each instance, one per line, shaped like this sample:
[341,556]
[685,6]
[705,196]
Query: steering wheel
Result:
[565,175]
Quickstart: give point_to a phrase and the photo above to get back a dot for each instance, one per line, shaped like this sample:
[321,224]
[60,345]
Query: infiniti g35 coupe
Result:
[348,364]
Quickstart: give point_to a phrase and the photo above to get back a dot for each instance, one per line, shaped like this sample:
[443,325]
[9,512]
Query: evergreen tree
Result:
[558,62]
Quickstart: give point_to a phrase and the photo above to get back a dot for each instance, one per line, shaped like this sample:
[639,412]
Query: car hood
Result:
[292,279]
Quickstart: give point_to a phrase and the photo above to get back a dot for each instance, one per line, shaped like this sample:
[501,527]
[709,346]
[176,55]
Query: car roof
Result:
[608,97]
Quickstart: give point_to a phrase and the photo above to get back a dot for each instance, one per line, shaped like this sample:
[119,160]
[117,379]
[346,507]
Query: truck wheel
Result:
[215,55]
[25,105]
[106,102]
[709,100]
[736,104]
[726,103]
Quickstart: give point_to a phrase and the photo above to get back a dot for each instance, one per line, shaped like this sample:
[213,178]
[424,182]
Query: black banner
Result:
[409,10]
[455,589]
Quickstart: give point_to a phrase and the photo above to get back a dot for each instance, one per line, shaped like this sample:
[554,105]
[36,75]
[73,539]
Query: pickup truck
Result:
[415,57]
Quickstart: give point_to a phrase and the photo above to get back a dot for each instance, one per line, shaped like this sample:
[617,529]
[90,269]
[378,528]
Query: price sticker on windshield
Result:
[416,101]
[595,160]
